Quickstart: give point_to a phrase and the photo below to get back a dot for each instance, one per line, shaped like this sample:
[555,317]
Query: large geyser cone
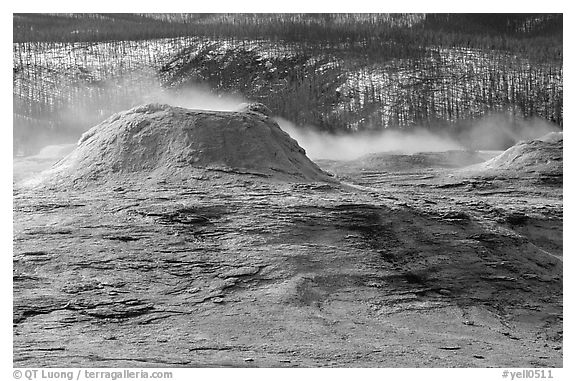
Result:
[164,142]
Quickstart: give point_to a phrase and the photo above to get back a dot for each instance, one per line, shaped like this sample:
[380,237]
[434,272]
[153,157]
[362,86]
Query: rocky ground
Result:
[396,268]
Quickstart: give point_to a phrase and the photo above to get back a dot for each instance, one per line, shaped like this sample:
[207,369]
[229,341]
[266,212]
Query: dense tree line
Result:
[537,35]
[320,88]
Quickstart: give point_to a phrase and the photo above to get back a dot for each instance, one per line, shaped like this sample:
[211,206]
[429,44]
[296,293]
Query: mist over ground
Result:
[493,132]
[323,145]
[499,131]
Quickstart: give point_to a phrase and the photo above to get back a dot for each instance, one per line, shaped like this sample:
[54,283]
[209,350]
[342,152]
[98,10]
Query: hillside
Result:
[335,72]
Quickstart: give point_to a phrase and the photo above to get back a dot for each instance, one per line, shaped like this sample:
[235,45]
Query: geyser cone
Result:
[539,159]
[542,155]
[164,142]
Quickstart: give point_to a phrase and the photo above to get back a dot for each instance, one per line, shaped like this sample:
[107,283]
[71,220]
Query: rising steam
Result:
[322,145]
[501,131]
[197,98]
[494,132]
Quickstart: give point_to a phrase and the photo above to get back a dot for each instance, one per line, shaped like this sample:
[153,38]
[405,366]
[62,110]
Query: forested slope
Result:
[337,72]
